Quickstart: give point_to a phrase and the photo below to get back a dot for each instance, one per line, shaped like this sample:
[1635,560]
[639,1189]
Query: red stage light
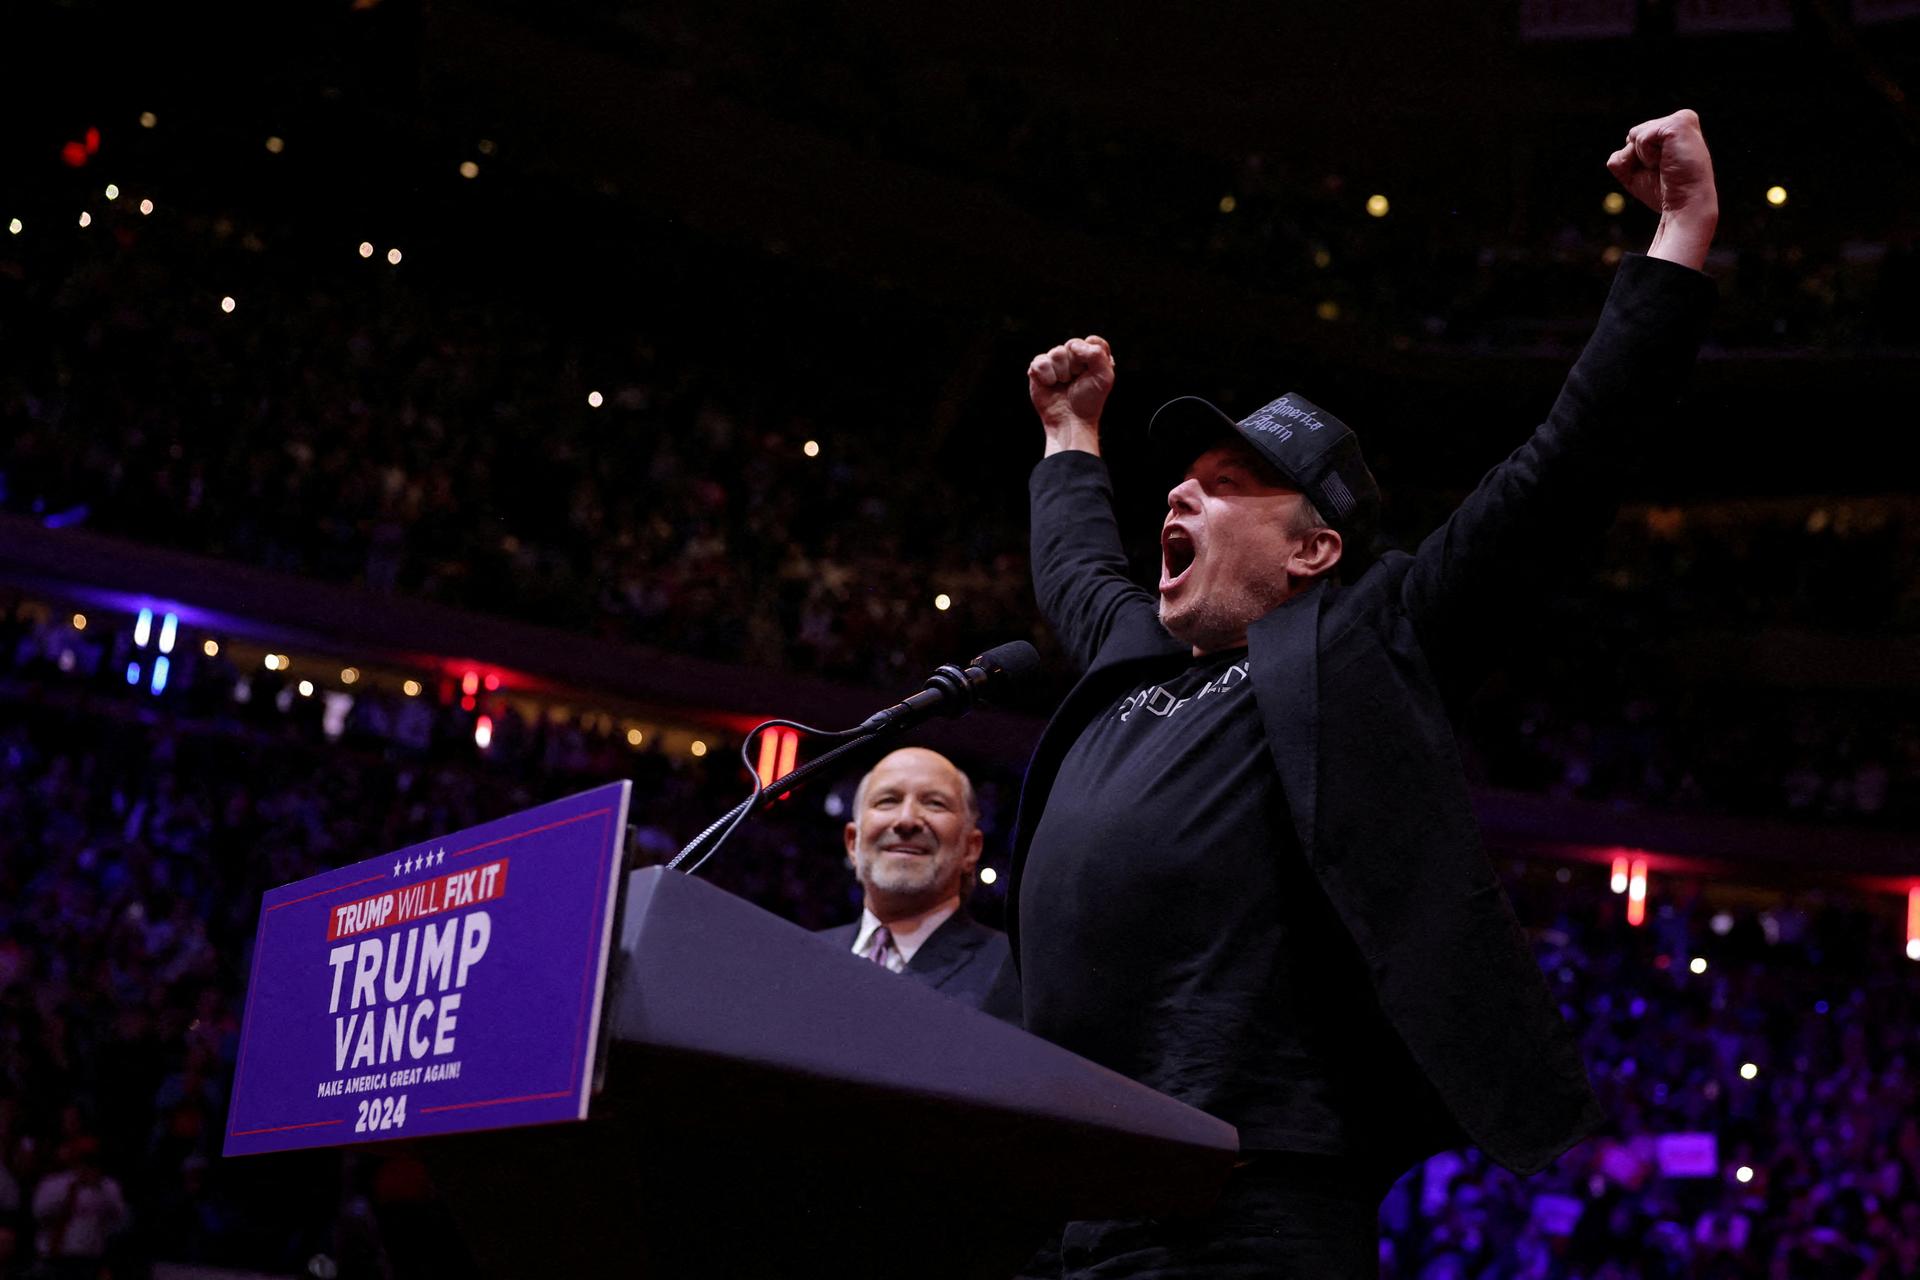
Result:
[74,154]
[769,757]
[789,752]
[779,751]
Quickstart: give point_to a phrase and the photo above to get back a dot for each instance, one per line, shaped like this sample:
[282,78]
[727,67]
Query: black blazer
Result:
[1355,681]
[963,959]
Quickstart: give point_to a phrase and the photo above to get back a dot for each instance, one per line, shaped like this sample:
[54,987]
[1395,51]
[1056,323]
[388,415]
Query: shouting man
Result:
[1246,872]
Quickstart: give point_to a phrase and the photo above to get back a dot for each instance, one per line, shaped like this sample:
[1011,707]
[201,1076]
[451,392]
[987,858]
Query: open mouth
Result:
[1177,553]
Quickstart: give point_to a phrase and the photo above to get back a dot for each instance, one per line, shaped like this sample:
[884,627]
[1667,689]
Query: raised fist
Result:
[1068,386]
[1666,166]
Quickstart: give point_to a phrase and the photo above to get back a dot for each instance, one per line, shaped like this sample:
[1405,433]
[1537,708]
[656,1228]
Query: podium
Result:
[772,1106]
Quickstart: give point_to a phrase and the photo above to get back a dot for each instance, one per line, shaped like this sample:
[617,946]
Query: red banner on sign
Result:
[448,892]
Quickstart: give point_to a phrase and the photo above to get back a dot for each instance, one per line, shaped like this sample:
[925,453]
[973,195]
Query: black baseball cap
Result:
[1314,451]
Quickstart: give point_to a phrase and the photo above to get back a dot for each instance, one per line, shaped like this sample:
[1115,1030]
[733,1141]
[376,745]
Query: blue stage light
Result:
[143,628]
[160,665]
[133,673]
[168,625]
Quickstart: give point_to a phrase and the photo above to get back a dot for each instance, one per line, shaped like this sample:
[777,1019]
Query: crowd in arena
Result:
[433,444]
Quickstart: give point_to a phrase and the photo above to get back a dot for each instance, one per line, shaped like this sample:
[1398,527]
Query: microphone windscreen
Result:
[1011,663]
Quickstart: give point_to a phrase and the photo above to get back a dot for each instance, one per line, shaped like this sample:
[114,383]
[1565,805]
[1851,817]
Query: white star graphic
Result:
[440,857]
[396,868]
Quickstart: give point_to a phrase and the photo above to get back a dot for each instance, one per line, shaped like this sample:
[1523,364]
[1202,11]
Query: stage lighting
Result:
[988,875]
[1227,205]
[306,688]
[148,120]
[169,626]
[113,191]
[1613,202]
[1698,964]
[211,648]
[1776,196]
[1748,1071]
[349,674]
[86,219]
[143,627]
[79,622]
[943,602]
[366,249]
[595,399]
[160,666]
[393,257]
[468,169]
[226,304]
[16,226]
[1377,206]
[698,748]
[634,737]
[811,448]
[146,207]
[483,732]
[411,688]
[276,145]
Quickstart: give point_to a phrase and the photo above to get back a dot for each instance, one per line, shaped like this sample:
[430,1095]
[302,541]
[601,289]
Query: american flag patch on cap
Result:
[1337,493]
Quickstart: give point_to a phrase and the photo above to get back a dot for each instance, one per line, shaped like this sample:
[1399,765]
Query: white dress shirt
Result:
[908,931]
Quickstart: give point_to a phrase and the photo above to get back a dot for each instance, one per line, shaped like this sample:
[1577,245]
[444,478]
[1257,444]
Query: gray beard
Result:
[919,877]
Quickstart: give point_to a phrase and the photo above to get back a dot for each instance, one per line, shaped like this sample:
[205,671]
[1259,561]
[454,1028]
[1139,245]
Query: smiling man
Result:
[1246,871]
[914,843]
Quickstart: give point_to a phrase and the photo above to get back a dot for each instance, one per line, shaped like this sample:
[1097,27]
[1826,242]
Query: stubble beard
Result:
[1214,622]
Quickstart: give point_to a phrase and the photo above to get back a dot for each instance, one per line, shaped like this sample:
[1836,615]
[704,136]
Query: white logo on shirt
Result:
[1159,701]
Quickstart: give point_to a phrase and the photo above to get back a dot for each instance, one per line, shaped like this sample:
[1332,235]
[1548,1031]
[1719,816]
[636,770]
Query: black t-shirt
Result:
[1169,926]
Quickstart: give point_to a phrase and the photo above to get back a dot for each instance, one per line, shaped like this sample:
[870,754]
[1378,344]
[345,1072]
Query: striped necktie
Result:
[880,948]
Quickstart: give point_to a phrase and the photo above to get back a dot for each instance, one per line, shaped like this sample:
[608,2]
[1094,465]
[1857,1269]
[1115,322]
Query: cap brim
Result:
[1181,430]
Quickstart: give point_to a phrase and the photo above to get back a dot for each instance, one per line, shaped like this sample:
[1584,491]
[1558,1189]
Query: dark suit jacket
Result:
[963,959]
[1354,682]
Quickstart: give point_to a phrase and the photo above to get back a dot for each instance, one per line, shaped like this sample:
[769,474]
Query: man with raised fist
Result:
[1246,872]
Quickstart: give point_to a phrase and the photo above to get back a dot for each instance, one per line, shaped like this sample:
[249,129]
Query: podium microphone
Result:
[951,690]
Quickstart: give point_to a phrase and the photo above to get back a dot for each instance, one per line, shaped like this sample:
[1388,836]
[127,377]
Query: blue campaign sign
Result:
[451,985]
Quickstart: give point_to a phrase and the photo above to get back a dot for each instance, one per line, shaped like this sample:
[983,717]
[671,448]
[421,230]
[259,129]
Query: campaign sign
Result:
[447,986]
